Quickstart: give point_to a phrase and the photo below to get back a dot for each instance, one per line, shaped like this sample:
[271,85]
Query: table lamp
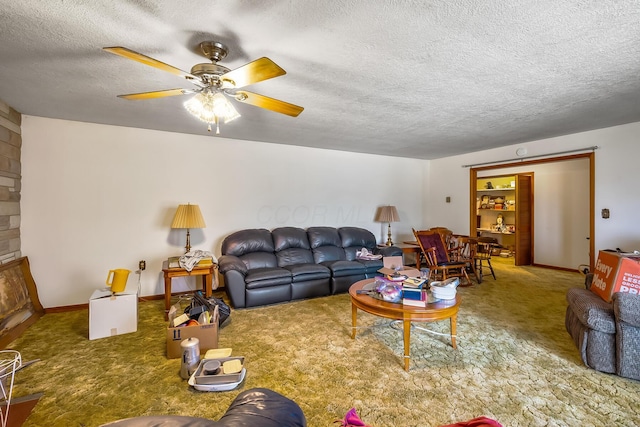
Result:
[188,216]
[388,214]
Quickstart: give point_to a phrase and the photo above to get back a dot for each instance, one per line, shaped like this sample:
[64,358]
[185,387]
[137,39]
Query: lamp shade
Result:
[188,216]
[387,214]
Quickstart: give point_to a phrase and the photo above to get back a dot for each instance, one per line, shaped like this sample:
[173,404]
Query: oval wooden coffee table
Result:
[441,310]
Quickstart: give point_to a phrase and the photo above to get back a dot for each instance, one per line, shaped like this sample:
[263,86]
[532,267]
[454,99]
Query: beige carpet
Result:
[515,362]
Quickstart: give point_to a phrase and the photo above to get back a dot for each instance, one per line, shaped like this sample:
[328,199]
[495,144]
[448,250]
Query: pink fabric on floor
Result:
[476,422]
[351,419]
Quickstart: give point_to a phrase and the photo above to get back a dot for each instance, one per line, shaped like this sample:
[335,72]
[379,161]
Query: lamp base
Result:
[188,245]
[389,241]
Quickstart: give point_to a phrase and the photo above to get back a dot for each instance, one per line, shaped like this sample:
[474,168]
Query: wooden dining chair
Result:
[445,233]
[437,257]
[465,251]
[483,255]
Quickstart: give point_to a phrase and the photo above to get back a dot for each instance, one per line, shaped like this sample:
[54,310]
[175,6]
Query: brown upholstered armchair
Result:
[606,334]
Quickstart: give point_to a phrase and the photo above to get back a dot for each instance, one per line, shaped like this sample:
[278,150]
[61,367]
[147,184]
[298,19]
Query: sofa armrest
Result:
[388,251]
[227,263]
[627,308]
[591,310]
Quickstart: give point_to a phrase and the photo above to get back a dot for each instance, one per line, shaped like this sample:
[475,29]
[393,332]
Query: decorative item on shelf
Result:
[387,214]
[188,216]
[499,203]
[488,185]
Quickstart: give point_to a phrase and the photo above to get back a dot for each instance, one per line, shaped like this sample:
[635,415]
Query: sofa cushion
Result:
[323,236]
[627,308]
[294,256]
[289,237]
[264,277]
[323,254]
[592,310]
[345,268]
[248,241]
[353,239]
[259,260]
[304,272]
[292,246]
[371,265]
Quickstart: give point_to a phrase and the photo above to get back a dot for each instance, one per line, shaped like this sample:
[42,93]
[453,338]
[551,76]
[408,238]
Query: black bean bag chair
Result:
[257,407]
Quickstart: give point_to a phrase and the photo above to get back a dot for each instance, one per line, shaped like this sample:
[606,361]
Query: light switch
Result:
[605,213]
[448,199]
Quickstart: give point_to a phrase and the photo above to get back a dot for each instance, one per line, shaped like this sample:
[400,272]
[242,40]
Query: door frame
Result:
[473,175]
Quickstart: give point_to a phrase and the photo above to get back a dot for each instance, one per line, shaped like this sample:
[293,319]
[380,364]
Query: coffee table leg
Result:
[454,321]
[406,328]
[354,320]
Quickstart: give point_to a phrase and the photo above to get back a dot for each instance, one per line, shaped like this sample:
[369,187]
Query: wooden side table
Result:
[208,274]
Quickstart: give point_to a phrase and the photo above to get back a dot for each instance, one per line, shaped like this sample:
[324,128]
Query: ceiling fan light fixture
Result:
[211,107]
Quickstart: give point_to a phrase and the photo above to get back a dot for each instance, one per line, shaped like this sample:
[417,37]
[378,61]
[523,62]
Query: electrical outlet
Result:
[142,265]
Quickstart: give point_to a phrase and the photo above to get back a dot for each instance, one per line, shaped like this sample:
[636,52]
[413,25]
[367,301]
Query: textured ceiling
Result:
[421,79]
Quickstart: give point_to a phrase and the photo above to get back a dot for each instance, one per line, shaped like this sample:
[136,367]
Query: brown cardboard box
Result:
[391,265]
[206,334]
[615,272]
[406,271]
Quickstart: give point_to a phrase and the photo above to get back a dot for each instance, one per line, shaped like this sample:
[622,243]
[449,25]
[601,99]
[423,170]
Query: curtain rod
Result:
[593,148]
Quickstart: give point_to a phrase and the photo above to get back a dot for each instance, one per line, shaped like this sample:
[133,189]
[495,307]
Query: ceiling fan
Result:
[215,84]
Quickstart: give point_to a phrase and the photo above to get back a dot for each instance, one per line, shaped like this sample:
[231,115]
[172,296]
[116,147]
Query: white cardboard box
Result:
[111,315]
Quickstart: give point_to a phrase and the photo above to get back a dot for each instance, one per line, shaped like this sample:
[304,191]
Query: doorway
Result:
[504,208]
[564,208]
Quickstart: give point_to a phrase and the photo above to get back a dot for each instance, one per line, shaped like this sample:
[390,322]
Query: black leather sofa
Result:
[261,267]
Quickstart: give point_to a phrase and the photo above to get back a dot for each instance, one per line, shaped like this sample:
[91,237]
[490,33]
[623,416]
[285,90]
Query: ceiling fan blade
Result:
[253,72]
[268,103]
[130,54]
[156,94]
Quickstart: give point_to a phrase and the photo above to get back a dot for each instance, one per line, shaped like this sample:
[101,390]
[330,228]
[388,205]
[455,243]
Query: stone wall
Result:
[10,176]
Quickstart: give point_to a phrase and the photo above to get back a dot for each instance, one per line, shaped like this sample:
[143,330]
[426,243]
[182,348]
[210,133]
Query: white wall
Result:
[616,166]
[98,197]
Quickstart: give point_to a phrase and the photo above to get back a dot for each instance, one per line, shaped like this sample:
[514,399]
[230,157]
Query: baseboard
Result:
[553,267]
[85,306]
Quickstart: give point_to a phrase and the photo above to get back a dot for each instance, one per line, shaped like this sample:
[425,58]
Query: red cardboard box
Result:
[615,272]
